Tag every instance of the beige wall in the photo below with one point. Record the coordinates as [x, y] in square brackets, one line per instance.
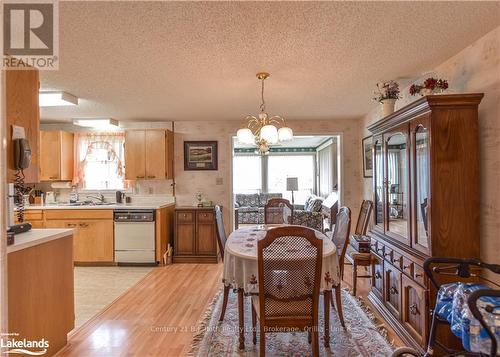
[474, 69]
[188, 183]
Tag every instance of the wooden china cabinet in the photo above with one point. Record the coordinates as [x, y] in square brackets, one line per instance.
[426, 194]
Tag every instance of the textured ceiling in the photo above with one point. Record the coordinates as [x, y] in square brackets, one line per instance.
[197, 60]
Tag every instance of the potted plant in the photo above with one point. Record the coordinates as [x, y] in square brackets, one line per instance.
[387, 93]
[430, 86]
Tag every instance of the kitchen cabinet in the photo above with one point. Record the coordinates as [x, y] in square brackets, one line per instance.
[21, 109]
[40, 291]
[35, 217]
[164, 231]
[195, 238]
[93, 240]
[56, 155]
[148, 154]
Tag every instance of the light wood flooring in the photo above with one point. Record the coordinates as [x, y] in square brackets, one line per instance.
[158, 315]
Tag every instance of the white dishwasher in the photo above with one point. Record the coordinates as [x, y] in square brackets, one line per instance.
[134, 237]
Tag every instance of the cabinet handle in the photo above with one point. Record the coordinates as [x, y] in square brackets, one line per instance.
[414, 309]
[151, 177]
[393, 290]
[387, 254]
[377, 275]
[418, 275]
[53, 177]
[139, 177]
[70, 225]
[405, 267]
[400, 259]
[84, 225]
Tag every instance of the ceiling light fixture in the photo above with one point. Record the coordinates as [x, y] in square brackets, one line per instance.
[103, 124]
[263, 130]
[56, 99]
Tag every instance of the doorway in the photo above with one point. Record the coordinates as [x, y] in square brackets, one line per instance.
[295, 170]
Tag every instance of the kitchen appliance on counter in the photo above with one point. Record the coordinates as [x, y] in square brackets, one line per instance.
[135, 236]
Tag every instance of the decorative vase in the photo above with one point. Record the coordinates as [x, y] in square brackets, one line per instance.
[388, 106]
[425, 91]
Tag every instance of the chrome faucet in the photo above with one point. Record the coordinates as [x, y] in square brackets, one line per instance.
[99, 197]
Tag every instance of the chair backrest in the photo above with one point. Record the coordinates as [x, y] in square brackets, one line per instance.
[341, 232]
[329, 208]
[278, 211]
[289, 265]
[221, 232]
[364, 217]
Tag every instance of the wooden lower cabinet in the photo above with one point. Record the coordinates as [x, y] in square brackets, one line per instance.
[378, 276]
[41, 293]
[392, 292]
[195, 238]
[414, 314]
[34, 217]
[93, 232]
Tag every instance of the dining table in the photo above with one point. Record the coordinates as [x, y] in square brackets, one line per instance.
[241, 270]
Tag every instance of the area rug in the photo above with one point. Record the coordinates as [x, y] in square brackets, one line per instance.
[362, 336]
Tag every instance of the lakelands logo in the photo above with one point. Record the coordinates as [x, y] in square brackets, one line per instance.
[11, 345]
[30, 34]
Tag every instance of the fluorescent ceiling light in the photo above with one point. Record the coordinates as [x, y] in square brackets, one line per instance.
[56, 99]
[107, 123]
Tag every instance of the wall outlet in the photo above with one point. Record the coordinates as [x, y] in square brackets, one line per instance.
[219, 181]
[151, 190]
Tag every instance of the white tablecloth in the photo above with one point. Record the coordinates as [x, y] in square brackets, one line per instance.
[240, 259]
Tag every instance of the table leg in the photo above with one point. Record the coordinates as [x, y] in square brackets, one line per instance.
[241, 319]
[327, 297]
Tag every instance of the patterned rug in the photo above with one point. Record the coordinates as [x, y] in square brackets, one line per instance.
[362, 336]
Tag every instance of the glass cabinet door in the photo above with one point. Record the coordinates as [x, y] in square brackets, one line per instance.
[397, 174]
[378, 179]
[421, 156]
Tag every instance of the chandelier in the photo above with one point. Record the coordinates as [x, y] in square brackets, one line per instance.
[264, 130]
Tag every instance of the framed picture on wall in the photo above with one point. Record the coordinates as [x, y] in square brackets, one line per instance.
[367, 157]
[200, 155]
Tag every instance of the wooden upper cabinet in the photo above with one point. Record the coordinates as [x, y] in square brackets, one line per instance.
[135, 154]
[56, 156]
[21, 109]
[155, 154]
[148, 154]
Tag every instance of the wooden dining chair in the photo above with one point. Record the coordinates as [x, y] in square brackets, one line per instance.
[353, 257]
[278, 211]
[340, 238]
[221, 241]
[289, 269]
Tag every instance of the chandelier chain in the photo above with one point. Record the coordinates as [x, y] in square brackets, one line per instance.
[263, 104]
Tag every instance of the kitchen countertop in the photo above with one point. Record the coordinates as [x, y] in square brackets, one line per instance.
[138, 205]
[36, 237]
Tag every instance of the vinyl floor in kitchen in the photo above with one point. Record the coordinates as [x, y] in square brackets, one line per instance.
[97, 287]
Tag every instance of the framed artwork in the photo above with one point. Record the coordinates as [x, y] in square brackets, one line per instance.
[367, 144]
[200, 155]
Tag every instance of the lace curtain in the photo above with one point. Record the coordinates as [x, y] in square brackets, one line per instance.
[99, 160]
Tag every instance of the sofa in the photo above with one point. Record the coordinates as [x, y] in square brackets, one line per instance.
[249, 208]
[310, 214]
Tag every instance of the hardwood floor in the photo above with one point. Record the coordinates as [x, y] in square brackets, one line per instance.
[157, 316]
[153, 318]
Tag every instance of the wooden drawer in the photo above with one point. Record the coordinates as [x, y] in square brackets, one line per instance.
[78, 214]
[388, 253]
[407, 267]
[185, 217]
[419, 274]
[392, 291]
[205, 216]
[397, 260]
[414, 314]
[378, 276]
[34, 215]
[380, 249]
